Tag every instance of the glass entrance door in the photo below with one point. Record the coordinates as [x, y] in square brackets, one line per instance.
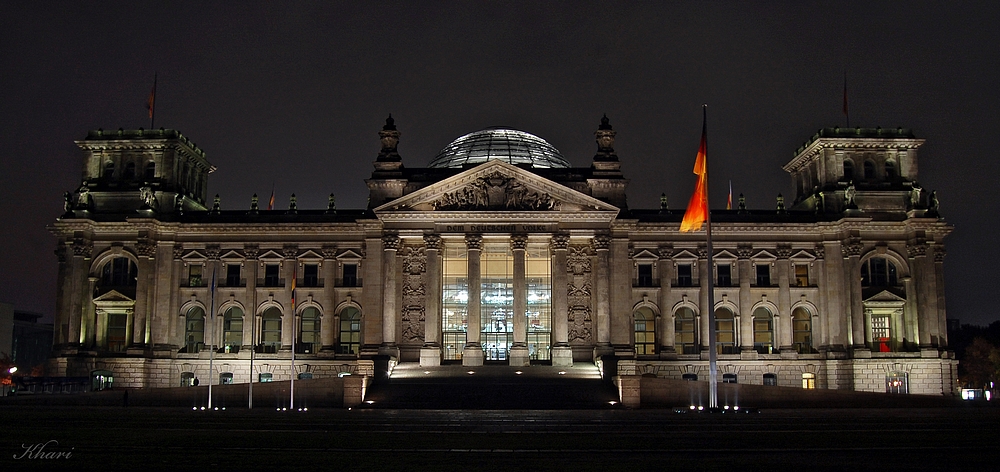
[498, 335]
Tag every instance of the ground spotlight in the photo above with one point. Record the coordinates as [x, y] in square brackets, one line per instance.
[472, 372]
[612, 403]
[693, 407]
[562, 372]
[725, 407]
[700, 408]
[518, 372]
[194, 408]
[202, 408]
[369, 402]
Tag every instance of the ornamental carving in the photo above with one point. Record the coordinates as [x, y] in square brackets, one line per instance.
[601, 242]
[744, 251]
[414, 260]
[390, 242]
[583, 290]
[178, 251]
[580, 329]
[820, 251]
[560, 241]
[783, 251]
[474, 241]
[290, 251]
[916, 250]
[145, 248]
[578, 260]
[251, 251]
[413, 323]
[212, 252]
[329, 251]
[495, 191]
[939, 254]
[518, 241]
[852, 247]
[82, 248]
[665, 252]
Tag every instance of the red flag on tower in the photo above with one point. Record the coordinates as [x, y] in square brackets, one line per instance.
[697, 209]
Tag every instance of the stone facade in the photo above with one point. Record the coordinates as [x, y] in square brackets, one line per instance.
[843, 289]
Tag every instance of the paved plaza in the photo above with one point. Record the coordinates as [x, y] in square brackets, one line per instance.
[118, 438]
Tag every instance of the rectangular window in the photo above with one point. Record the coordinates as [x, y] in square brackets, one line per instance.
[271, 278]
[763, 275]
[310, 275]
[725, 275]
[802, 275]
[645, 278]
[117, 331]
[350, 275]
[684, 275]
[881, 335]
[194, 275]
[233, 275]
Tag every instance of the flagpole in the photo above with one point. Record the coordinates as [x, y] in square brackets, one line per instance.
[713, 374]
[152, 103]
[847, 112]
[291, 402]
[211, 346]
[253, 348]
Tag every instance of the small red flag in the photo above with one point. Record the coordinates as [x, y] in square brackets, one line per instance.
[697, 210]
[152, 99]
[270, 203]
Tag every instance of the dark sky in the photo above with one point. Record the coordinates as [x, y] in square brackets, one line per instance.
[293, 96]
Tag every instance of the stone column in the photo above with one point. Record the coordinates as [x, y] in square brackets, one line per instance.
[601, 244]
[704, 272]
[665, 269]
[852, 273]
[472, 355]
[562, 353]
[288, 319]
[783, 320]
[519, 350]
[430, 352]
[251, 252]
[745, 273]
[61, 322]
[143, 289]
[329, 324]
[942, 315]
[837, 305]
[925, 294]
[390, 313]
[88, 326]
[82, 299]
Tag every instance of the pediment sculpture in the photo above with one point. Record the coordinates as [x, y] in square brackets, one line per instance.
[496, 191]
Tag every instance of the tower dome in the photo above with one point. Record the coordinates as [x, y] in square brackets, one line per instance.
[509, 145]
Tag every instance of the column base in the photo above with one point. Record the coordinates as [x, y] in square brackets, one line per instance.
[430, 356]
[562, 356]
[472, 355]
[390, 350]
[603, 349]
[519, 356]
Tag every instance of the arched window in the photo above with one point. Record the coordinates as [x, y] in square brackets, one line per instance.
[109, 170]
[690, 377]
[878, 272]
[150, 170]
[309, 342]
[350, 331]
[729, 378]
[685, 341]
[232, 329]
[802, 331]
[119, 273]
[194, 330]
[725, 332]
[187, 379]
[645, 331]
[890, 170]
[848, 170]
[226, 378]
[270, 330]
[770, 379]
[763, 331]
[897, 382]
[129, 172]
[869, 170]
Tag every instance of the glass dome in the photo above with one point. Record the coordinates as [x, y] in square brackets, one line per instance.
[510, 145]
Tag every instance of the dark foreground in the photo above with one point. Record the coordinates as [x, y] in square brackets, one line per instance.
[148, 439]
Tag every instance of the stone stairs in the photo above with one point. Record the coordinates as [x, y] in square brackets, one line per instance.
[490, 387]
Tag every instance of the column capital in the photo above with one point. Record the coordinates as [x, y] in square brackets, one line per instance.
[601, 242]
[783, 251]
[146, 248]
[290, 251]
[474, 241]
[390, 242]
[852, 248]
[82, 248]
[433, 241]
[518, 241]
[251, 251]
[560, 241]
[665, 252]
[329, 251]
[916, 250]
[212, 252]
[744, 251]
[820, 251]
[178, 251]
[939, 253]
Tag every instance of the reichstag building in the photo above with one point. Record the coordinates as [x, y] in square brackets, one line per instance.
[498, 251]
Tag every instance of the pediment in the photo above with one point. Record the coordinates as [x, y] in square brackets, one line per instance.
[113, 297]
[725, 254]
[310, 254]
[685, 254]
[646, 254]
[496, 186]
[764, 254]
[271, 254]
[231, 255]
[349, 254]
[803, 256]
[194, 255]
[885, 297]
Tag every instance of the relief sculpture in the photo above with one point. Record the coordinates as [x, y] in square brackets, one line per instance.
[495, 191]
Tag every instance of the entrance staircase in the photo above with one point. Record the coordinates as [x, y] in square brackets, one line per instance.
[492, 387]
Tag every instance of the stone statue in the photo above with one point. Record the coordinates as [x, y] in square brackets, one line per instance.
[849, 195]
[83, 197]
[148, 197]
[934, 204]
[67, 202]
[915, 195]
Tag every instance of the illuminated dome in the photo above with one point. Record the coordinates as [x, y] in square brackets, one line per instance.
[509, 145]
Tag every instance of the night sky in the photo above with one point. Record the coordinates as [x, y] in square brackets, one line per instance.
[293, 97]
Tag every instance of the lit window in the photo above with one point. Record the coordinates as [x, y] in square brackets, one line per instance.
[187, 379]
[270, 330]
[878, 272]
[684, 331]
[802, 331]
[232, 330]
[897, 382]
[194, 330]
[194, 275]
[725, 332]
[309, 341]
[265, 377]
[809, 381]
[802, 275]
[350, 331]
[881, 334]
[226, 378]
[645, 331]
[117, 333]
[763, 331]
